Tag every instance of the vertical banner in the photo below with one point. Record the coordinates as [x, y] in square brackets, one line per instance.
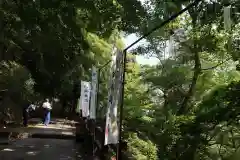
[93, 93]
[228, 24]
[114, 95]
[227, 18]
[171, 47]
[85, 98]
[109, 104]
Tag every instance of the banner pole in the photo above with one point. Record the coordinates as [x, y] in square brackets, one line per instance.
[119, 146]
[97, 96]
[97, 106]
[93, 130]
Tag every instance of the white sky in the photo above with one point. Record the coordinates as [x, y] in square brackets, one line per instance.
[140, 59]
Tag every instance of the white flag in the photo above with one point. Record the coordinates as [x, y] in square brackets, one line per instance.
[227, 18]
[85, 98]
[108, 135]
[171, 47]
[93, 93]
[114, 94]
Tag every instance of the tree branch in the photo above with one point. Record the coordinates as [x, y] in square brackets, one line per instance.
[213, 67]
[197, 68]
[197, 71]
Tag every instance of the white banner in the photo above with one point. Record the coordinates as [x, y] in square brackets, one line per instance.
[85, 97]
[93, 93]
[227, 18]
[114, 94]
[171, 47]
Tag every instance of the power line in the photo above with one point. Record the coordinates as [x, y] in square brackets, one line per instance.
[164, 23]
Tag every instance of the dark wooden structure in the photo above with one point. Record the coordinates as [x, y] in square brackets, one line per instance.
[91, 135]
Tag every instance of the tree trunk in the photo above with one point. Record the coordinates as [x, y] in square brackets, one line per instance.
[197, 68]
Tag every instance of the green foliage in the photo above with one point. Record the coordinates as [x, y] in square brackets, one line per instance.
[16, 82]
[140, 149]
[186, 107]
[200, 77]
[62, 31]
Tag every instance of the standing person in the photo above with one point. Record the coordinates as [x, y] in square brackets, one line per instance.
[47, 107]
[32, 107]
[25, 115]
[26, 109]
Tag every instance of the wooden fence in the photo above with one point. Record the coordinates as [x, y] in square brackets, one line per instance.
[91, 135]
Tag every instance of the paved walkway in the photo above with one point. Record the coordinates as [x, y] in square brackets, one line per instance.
[28, 148]
[57, 127]
[41, 149]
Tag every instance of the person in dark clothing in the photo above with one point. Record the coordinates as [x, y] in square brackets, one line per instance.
[26, 110]
[25, 115]
[3, 119]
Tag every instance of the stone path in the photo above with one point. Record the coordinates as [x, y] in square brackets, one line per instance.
[58, 127]
[41, 149]
[29, 148]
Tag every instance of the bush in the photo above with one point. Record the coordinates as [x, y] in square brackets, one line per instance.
[141, 149]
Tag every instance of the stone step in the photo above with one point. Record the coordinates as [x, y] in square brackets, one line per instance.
[5, 136]
[4, 141]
